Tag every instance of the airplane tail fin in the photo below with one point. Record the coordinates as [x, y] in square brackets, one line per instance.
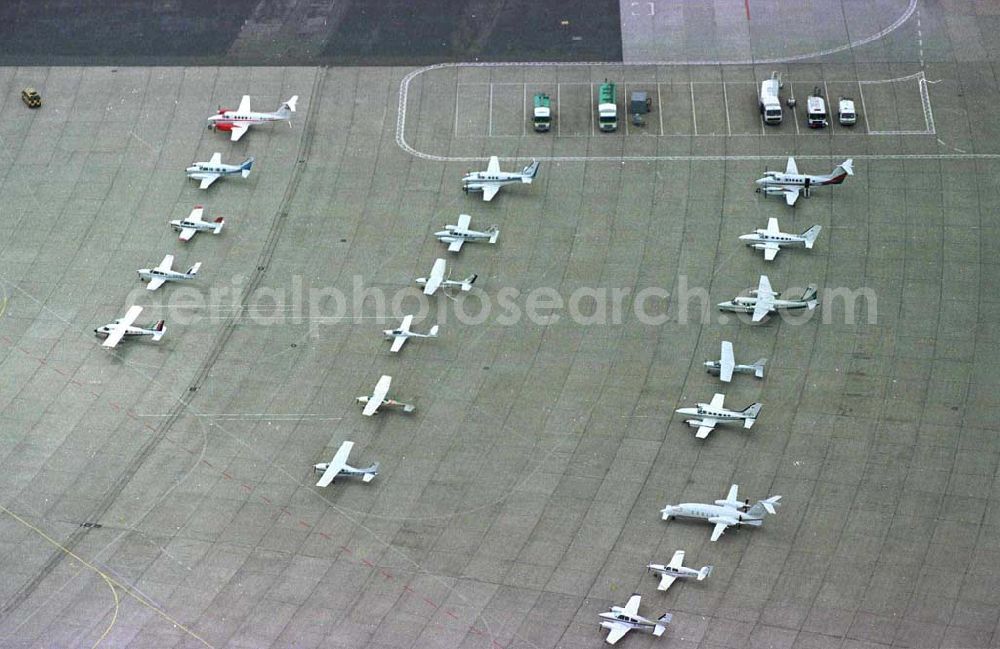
[247, 166]
[766, 506]
[810, 296]
[704, 572]
[811, 234]
[758, 368]
[494, 233]
[750, 413]
[468, 282]
[433, 332]
[841, 171]
[194, 269]
[286, 109]
[661, 624]
[370, 473]
[159, 329]
[219, 222]
[530, 172]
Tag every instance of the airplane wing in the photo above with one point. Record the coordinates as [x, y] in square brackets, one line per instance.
[705, 427]
[196, 214]
[397, 343]
[463, 221]
[771, 251]
[378, 395]
[666, 581]
[155, 283]
[772, 226]
[631, 607]
[336, 464]
[455, 245]
[727, 363]
[791, 168]
[186, 234]
[617, 632]
[490, 190]
[207, 181]
[717, 401]
[244, 105]
[216, 159]
[167, 263]
[765, 299]
[734, 493]
[677, 561]
[437, 276]
[494, 166]
[719, 529]
[118, 330]
[791, 195]
[407, 321]
[237, 131]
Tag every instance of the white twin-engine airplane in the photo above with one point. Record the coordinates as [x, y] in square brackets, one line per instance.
[490, 181]
[713, 413]
[792, 183]
[771, 239]
[239, 121]
[163, 273]
[436, 280]
[675, 570]
[193, 224]
[209, 172]
[456, 235]
[622, 619]
[724, 513]
[763, 301]
[378, 400]
[726, 365]
[338, 467]
[402, 332]
[122, 327]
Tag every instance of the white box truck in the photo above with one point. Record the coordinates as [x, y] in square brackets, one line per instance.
[770, 100]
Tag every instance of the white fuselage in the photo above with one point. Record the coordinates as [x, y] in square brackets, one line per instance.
[166, 275]
[782, 239]
[348, 470]
[478, 179]
[715, 367]
[711, 513]
[200, 226]
[747, 304]
[249, 118]
[705, 410]
[683, 572]
[404, 333]
[617, 616]
[449, 235]
[130, 331]
[202, 170]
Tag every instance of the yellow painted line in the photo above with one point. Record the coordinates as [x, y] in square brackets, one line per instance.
[112, 583]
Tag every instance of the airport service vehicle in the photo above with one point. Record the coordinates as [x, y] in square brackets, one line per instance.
[846, 113]
[542, 117]
[770, 100]
[816, 109]
[607, 107]
[31, 98]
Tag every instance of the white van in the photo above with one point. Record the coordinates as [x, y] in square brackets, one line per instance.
[770, 101]
[846, 113]
[816, 110]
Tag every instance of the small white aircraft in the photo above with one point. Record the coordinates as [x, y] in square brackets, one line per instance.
[675, 570]
[713, 413]
[436, 280]
[490, 181]
[122, 327]
[338, 467]
[724, 513]
[726, 365]
[402, 332]
[771, 239]
[792, 183]
[622, 619]
[763, 301]
[193, 224]
[239, 121]
[209, 172]
[378, 400]
[456, 235]
[163, 273]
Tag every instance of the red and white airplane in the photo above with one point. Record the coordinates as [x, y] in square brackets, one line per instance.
[239, 121]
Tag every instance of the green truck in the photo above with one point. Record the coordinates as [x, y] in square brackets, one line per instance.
[542, 118]
[607, 107]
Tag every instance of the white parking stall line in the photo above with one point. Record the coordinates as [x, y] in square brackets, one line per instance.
[592, 133]
[490, 130]
[659, 106]
[625, 104]
[458, 91]
[524, 110]
[725, 99]
[558, 112]
[694, 112]
[864, 108]
[829, 106]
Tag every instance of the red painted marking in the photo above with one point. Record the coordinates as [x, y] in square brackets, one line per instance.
[266, 499]
[746, 4]
[303, 523]
[451, 615]
[475, 630]
[346, 549]
[429, 602]
[326, 536]
[226, 476]
[368, 563]
[386, 575]
[247, 487]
